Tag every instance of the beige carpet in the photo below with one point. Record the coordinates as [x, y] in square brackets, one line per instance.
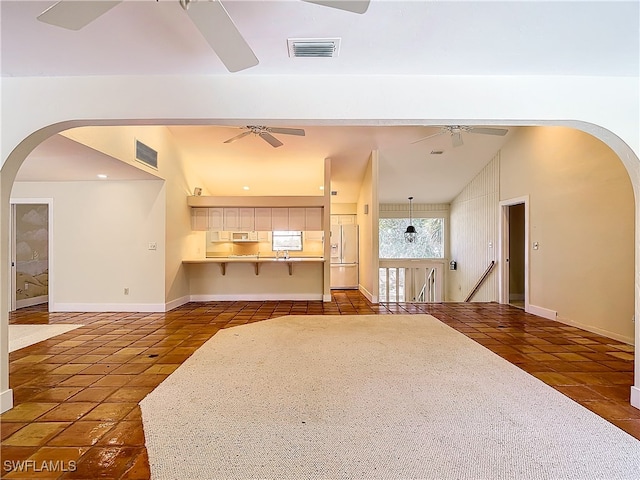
[21, 336]
[368, 397]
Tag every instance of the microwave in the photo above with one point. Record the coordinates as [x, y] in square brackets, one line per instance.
[244, 236]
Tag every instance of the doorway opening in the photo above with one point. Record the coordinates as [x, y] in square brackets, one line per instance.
[30, 252]
[514, 278]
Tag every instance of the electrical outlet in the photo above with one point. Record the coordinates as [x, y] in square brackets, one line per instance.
[126, 290]
[153, 245]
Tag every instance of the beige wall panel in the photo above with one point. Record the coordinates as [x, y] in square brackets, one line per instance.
[474, 236]
[582, 215]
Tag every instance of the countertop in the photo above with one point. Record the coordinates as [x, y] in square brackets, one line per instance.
[249, 259]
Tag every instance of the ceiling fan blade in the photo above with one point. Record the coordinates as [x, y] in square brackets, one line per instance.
[238, 137]
[425, 138]
[287, 131]
[355, 6]
[488, 130]
[218, 29]
[456, 138]
[267, 137]
[75, 15]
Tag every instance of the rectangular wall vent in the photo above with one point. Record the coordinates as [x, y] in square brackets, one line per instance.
[146, 154]
[313, 47]
[437, 152]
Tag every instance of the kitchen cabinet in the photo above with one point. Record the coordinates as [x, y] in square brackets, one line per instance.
[296, 219]
[247, 219]
[199, 219]
[231, 219]
[216, 219]
[280, 219]
[343, 220]
[262, 219]
[313, 218]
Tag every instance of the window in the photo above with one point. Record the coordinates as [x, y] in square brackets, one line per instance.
[429, 241]
[286, 240]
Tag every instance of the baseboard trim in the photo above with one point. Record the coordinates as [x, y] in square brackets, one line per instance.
[635, 397]
[326, 298]
[372, 298]
[6, 400]
[542, 312]
[108, 307]
[256, 297]
[178, 302]
[30, 302]
[599, 331]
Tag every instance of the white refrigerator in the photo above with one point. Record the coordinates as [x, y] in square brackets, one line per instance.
[344, 256]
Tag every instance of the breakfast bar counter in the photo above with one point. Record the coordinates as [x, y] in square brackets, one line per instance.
[257, 261]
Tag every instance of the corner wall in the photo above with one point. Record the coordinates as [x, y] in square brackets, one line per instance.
[581, 213]
[368, 231]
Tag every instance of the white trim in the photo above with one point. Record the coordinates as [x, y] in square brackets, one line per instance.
[256, 297]
[599, 331]
[503, 277]
[542, 312]
[372, 298]
[6, 400]
[635, 396]
[107, 307]
[326, 298]
[178, 302]
[29, 302]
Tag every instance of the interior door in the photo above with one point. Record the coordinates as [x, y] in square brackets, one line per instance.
[516, 252]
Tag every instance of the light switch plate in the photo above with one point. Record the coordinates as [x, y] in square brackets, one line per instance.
[153, 245]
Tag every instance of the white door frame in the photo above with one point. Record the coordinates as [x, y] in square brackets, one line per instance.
[12, 245]
[503, 278]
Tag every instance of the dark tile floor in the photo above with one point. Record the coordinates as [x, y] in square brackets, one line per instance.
[76, 395]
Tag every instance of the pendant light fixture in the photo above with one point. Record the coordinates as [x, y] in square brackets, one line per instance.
[410, 234]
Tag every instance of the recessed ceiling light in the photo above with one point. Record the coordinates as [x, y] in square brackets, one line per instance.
[245, 188]
[102, 176]
[321, 187]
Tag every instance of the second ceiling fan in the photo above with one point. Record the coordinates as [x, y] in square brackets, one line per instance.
[456, 132]
[209, 16]
[265, 134]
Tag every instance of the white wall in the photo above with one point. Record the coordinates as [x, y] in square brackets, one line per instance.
[581, 213]
[178, 242]
[101, 233]
[474, 236]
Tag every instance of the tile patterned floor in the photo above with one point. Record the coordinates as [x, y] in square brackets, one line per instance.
[76, 396]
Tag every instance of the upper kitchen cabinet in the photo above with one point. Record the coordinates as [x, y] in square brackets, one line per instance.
[263, 219]
[231, 219]
[199, 219]
[296, 219]
[313, 218]
[343, 220]
[280, 218]
[216, 218]
[247, 219]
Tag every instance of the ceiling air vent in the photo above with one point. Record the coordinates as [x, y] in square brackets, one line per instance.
[437, 152]
[313, 47]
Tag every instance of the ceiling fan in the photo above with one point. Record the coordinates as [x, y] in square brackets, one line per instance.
[209, 16]
[265, 134]
[456, 133]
